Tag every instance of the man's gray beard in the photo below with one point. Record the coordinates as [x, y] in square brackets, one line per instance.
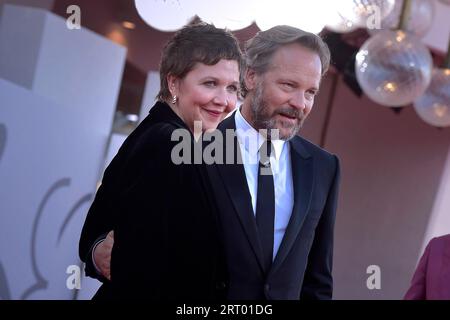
[262, 120]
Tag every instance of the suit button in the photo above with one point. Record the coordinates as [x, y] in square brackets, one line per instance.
[267, 287]
[221, 285]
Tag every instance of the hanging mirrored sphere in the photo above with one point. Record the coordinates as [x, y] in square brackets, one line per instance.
[419, 21]
[341, 25]
[393, 68]
[433, 106]
[335, 21]
[358, 12]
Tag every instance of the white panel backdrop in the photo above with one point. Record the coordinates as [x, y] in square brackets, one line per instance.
[54, 129]
[152, 87]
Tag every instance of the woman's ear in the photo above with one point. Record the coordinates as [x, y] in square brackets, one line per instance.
[250, 79]
[173, 83]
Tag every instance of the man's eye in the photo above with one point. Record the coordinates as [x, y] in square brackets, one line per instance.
[310, 94]
[209, 83]
[288, 85]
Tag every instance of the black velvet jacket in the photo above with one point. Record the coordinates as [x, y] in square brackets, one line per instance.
[167, 244]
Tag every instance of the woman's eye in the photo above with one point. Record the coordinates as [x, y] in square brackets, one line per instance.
[233, 88]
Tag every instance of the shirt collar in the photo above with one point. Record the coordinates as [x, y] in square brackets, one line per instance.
[247, 134]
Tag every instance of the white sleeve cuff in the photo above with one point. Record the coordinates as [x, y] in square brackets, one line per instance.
[92, 256]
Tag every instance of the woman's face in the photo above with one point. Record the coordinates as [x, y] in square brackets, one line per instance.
[206, 93]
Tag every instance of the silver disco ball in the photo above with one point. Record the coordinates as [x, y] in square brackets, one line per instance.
[419, 21]
[358, 12]
[433, 106]
[393, 68]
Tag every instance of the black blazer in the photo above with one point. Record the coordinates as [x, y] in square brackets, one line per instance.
[302, 266]
[166, 242]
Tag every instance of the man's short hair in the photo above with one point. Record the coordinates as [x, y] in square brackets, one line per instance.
[260, 49]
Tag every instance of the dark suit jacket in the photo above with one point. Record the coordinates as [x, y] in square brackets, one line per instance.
[302, 266]
[166, 242]
[431, 281]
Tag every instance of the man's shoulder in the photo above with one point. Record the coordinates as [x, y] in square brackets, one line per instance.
[313, 149]
[325, 162]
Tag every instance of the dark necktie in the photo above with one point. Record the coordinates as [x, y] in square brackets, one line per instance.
[265, 203]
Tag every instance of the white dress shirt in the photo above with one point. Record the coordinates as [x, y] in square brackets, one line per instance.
[280, 160]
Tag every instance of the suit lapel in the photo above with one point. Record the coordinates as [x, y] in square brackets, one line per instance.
[235, 181]
[303, 181]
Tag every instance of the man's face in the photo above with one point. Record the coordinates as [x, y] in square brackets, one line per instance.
[283, 96]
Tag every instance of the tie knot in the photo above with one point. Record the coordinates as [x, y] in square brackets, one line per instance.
[264, 153]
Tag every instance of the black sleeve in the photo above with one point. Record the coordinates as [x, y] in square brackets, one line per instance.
[318, 281]
[140, 252]
[124, 171]
[99, 220]
[89, 268]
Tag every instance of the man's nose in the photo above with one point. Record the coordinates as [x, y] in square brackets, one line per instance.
[298, 101]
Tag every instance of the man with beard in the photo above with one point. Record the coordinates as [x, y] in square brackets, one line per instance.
[277, 200]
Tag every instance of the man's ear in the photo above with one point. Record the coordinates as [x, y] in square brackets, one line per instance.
[250, 79]
[173, 84]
